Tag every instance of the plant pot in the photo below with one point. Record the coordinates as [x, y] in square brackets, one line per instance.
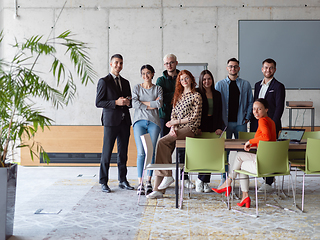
[8, 181]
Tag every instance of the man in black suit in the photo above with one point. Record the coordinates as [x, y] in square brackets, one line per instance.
[114, 96]
[274, 92]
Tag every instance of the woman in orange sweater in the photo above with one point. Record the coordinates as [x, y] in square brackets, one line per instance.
[247, 161]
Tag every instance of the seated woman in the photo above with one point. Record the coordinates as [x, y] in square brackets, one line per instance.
[146, 99]
[211, 118]
[247, 161]
[185, 121]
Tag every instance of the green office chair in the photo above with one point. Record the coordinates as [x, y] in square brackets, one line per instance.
[297, 158]
[272, 160]
[246, 135]
[204, 155]
[312, 163]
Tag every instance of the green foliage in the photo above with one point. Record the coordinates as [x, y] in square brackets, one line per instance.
[20, 84]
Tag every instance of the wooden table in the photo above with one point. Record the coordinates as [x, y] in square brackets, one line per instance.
[230, 145]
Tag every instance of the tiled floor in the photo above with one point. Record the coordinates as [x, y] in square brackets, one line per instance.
[75, 208]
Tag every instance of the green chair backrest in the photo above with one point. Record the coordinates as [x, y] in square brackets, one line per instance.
[246, 135]
[313, 156]
[300, 155]
[205, 155]
[314, 135]
[272, 158]
[210, 135]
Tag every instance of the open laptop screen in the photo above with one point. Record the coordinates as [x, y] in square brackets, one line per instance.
[294, 135]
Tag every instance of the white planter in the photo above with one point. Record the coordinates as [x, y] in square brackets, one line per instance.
[8, 181]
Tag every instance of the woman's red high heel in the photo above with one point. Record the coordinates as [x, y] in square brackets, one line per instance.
[222, 190]
[246, 201]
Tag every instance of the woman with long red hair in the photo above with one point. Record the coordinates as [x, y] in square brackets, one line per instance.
[185, 121]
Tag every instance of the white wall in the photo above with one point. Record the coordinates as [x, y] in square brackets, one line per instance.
[144, 31]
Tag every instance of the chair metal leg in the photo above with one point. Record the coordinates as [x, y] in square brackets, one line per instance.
[182, 190]
[293, 192]
[302, 200]
[256, 190]
[228, 195]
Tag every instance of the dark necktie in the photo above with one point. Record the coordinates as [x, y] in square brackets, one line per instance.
[117, 83]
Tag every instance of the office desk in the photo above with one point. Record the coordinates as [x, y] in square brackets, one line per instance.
[231, 145]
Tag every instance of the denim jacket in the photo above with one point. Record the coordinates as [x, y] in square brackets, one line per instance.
[245, 99]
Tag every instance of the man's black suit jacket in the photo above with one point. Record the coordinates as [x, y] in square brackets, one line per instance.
[107, 94]
[275, 96]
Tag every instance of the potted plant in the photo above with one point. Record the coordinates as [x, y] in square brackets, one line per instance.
[22, 82]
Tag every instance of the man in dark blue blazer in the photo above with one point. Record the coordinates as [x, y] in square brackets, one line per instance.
[114, 96]
[274, 92]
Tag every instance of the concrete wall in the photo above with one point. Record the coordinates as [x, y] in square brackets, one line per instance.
[144, 31]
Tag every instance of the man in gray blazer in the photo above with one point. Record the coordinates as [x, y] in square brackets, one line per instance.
[114, 97]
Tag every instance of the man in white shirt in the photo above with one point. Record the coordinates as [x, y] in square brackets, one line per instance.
[274, 92]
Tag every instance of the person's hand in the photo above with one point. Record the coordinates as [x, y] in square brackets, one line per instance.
[121, 101]
[218, 132]
[168, 124]
[199, 132]
[157, 98]
[172, 132]
[172, 123]
[247, 146]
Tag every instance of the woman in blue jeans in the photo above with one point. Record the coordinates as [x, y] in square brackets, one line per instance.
[146, 100]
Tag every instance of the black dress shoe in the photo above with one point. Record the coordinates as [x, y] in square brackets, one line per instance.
[125, 185]
[105, 188]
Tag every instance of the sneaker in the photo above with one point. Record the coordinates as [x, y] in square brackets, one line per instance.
[206, 188]
[148, 187]
[199, 185]
[266, 187]
[141, 187]
[155, 194]
[188, 184]
[166, 182]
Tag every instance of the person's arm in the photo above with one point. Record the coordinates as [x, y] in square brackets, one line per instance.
[136, 103]
[249, 101]
[101, 97]
[280, 95]
[263, 132]
[157, 103]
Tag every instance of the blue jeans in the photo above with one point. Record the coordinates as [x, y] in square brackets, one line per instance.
[234, 129]
[139, 128]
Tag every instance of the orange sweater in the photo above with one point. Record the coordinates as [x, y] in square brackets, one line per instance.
[266, 131]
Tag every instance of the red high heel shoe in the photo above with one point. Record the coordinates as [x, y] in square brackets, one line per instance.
[222, 190]
[246, 201]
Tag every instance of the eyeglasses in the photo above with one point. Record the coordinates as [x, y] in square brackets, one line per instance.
[184, 79]
[169, 63]
[235, 66]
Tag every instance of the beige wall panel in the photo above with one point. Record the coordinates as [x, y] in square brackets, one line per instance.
[74, 139]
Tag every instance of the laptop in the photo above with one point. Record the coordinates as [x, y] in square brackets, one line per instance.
[294, 135]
